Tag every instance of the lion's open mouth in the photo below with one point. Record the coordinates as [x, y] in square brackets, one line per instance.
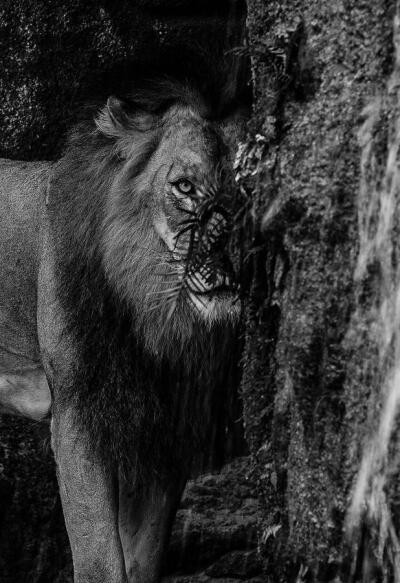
[214, 297]
[219, 290]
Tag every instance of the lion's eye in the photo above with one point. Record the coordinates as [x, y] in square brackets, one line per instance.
[184, 186]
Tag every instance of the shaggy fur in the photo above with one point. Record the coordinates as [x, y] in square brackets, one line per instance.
[145, 378]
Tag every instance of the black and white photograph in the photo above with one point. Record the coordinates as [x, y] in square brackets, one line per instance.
[199, 291]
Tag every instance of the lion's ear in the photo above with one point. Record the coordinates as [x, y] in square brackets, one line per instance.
[113, 121]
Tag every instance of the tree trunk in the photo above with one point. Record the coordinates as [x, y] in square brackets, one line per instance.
[320, 365]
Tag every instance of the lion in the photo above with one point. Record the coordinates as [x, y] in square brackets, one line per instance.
[118, 312]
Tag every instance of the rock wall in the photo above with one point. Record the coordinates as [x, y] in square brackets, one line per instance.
[214, 537]
[323, 143]
[52, 54]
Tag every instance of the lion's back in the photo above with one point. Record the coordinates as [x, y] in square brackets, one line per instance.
[22, 196]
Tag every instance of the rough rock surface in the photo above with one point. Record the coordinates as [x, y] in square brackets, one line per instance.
[33, 540]
[52, 53]
[312, 371]
[215, 531]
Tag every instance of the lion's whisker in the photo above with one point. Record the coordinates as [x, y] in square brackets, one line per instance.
[164, 291]
[165, 275]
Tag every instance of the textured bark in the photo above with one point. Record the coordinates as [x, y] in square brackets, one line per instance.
[312, 380]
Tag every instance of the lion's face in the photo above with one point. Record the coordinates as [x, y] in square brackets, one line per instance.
[188, 169]
[173, 175]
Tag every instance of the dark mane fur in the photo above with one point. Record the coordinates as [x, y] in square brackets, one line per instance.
[137, 409]
[178, 74]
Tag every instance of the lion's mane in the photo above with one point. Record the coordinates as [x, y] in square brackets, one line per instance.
[137, 394]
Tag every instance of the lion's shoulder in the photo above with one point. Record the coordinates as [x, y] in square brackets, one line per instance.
[22, 193]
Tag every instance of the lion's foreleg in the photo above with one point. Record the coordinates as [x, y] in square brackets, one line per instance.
[145, 521]
[89, 502]
[89, 494]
